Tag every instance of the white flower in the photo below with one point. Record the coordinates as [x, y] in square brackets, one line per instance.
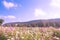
[8, 39]
[56, 38]
[12, 39]
[28, 31]
[17, 32]
[22, 37]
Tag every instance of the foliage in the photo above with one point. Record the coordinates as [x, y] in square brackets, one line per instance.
[2, 36]
[29, 33]
[1, 21]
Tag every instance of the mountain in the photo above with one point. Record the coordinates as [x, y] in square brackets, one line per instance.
[35, 23]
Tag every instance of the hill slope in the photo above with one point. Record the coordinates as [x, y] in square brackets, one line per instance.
[33, 23]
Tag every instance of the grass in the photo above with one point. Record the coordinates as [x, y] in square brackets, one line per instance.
[29, 33]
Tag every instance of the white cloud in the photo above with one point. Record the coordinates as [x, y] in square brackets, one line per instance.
[39, 12]
[11, 17]
[55, 15]
[8, 17]
[55, 3]
[9, 4]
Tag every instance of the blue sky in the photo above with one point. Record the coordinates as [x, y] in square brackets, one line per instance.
[26, 10]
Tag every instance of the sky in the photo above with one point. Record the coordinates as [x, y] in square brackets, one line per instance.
[26, 10]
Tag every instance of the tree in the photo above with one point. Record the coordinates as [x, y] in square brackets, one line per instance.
[1, 21]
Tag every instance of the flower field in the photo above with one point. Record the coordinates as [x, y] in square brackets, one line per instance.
[29, 33]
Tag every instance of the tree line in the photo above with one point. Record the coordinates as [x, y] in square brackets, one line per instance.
[40, 24]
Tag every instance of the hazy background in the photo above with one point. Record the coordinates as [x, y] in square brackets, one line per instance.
[26, 10]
